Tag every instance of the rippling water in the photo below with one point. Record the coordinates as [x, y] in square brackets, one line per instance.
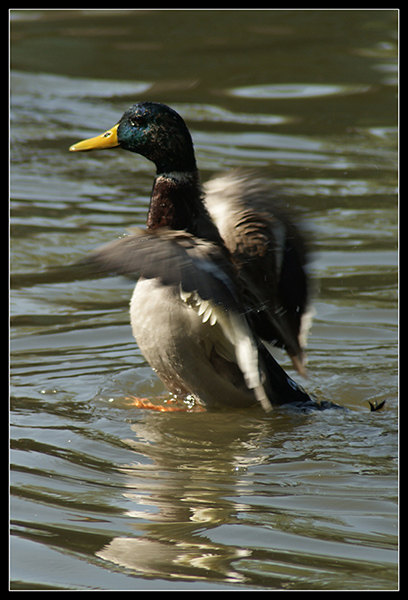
[105, 496]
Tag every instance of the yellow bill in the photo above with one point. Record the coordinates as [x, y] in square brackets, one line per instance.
[109, 139]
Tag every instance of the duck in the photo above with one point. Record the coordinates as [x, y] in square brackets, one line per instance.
[221, 272]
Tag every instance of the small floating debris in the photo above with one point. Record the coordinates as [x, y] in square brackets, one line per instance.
[374, 406]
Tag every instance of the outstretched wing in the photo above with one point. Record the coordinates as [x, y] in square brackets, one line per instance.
[174, 257]
[270, 255]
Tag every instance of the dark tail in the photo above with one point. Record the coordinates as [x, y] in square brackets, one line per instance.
[281, 389]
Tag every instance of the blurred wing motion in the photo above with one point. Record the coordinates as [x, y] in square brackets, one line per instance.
[269, 253]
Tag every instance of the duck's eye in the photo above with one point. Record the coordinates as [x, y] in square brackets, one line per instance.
[136, 121]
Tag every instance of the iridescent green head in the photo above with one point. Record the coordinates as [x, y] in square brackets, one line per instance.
[153, 130]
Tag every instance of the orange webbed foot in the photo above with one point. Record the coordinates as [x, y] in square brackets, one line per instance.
[168, 405]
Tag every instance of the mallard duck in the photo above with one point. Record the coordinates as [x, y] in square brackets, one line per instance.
[222, 272]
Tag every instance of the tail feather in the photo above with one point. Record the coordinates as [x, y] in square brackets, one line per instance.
[280, 388]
